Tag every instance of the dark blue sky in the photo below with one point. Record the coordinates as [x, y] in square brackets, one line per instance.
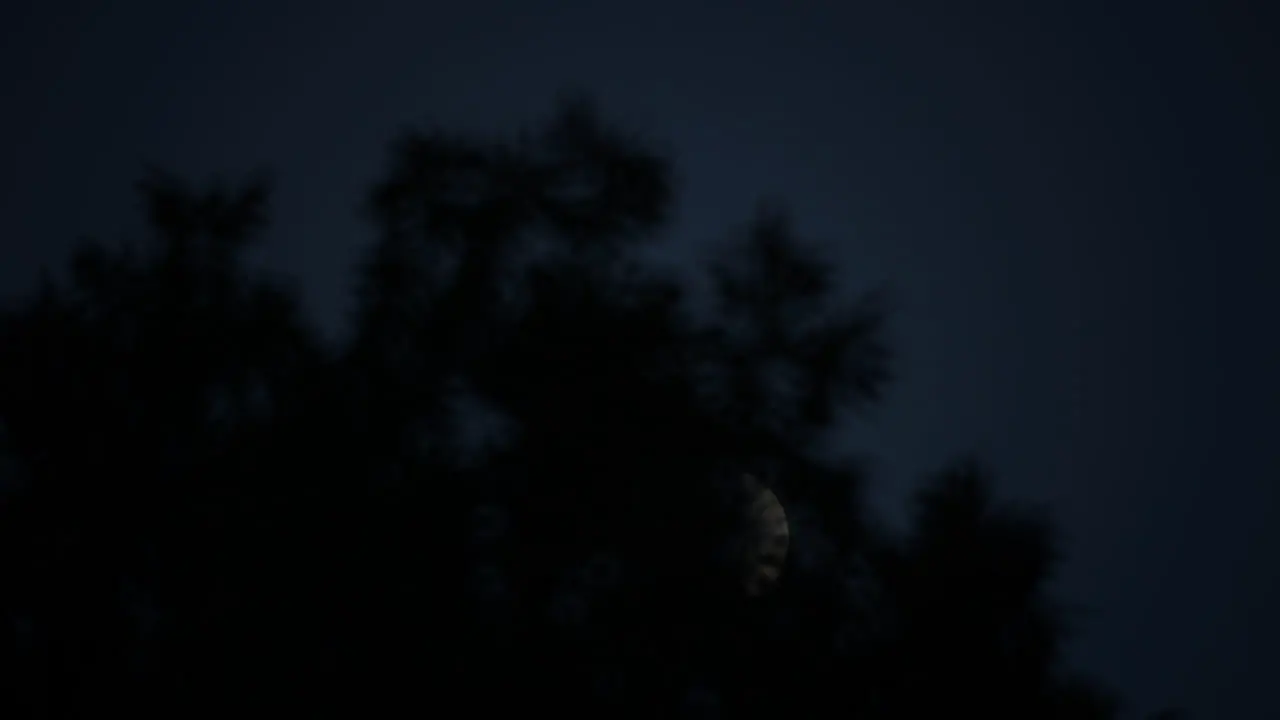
[1074, 206]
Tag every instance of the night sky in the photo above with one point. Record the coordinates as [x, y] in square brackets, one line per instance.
[1075, 210]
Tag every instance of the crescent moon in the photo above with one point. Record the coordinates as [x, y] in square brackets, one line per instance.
[768, 537]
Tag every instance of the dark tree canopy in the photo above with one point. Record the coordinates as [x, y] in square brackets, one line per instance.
[515, 487]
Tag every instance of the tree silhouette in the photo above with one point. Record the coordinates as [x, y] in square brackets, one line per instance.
[518, 482]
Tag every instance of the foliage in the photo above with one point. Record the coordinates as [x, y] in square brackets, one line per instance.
[514, 484]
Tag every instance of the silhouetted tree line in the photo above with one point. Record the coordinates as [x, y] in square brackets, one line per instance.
[511, 488]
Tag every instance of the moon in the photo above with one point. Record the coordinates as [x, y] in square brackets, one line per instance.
[767, 537]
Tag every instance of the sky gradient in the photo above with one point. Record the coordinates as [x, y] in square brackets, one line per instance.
[1072, 205]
